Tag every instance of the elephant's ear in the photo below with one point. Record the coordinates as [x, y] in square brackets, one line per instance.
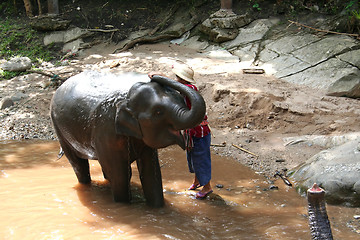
[125, 122]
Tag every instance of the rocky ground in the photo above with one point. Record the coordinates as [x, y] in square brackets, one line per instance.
[253, 116]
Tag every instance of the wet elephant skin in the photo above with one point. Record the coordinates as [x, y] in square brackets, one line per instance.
[117, 119]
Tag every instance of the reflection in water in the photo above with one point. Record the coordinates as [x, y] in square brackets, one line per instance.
[41, 199]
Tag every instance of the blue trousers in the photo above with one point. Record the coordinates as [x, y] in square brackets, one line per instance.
[199, 159]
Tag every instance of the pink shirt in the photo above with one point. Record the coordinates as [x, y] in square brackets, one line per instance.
[202, 129]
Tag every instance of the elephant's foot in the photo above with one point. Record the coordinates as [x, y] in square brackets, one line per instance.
[84, 180]
[82, 171]
[121, 197]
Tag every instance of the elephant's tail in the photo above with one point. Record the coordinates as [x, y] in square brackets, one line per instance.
[60, 154]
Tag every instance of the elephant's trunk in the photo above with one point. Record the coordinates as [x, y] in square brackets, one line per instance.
[318, 218]
[185, 118]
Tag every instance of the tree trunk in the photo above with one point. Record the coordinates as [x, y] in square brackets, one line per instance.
[53, 6]
[28, 8]
[318, 218]
[39, 5]
[226, 4]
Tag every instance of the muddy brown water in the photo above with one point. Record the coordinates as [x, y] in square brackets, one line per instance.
[41, 199]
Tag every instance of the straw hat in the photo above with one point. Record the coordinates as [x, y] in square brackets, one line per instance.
[184, 71]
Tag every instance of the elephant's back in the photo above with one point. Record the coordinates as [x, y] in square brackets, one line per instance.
[88, 89]
[101, 85]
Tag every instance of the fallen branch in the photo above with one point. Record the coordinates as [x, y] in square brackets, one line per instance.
[253, 71]
[285, 180]
[51, 75]
[166, 19]
[247, 151]
[145, 39]
[219, 145]
[103, 30]
[293, 142]
[325, 31]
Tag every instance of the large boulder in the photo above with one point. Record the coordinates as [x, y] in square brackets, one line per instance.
[337, 170]
[66, 36]
[330, 63]
[347, 86]
[71, 38]
[49, 23]
[253, 32]
[223, 25]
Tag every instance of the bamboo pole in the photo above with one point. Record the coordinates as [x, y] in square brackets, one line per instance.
[244, 150]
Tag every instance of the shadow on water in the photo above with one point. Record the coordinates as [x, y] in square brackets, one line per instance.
[27, 154]
[41, 199]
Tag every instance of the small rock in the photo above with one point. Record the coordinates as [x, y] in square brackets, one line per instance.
[219, 185]
[18, 96]
[273, 187]
[6, 102]
[17, 64]
[357, 216]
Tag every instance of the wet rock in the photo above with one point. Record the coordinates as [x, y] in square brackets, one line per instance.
[337, 170]
[17, 64]
[6, 103]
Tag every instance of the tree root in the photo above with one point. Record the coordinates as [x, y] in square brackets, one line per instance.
[145, 39]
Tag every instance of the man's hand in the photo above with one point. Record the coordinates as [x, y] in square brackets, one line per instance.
[152, 74]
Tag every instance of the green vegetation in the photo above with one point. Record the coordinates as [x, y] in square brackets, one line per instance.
[256, 6]
[356, 14]
[17, 39]
[20, 40]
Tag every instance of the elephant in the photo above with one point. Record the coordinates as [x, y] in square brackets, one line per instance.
[117, 119]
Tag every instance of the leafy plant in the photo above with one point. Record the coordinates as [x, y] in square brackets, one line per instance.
[256, 6]
[356, 14]
[7, 74]
[350, 4]
[18, 39]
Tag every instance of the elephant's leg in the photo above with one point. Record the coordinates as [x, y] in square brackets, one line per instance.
[150, 176]
[120, 181]
[80, 165]
[116, 168]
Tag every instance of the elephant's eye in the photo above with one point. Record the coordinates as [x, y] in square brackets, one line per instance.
[158, 111]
